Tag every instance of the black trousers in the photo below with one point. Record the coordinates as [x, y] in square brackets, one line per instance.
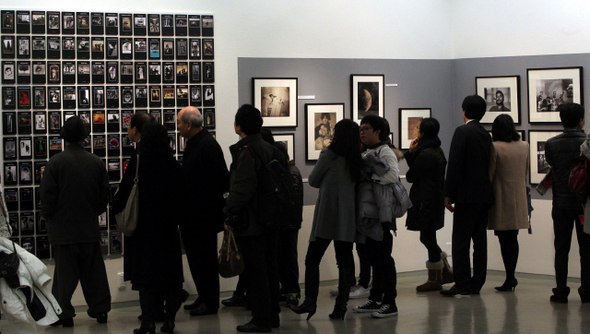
[428, 239]
[384, 272]
[152, 297]
[201, 255]
[470, 222]
[365, 265]
[82, 263]
[288, 265]
[344, 260]
[261, 274]
[564, 222]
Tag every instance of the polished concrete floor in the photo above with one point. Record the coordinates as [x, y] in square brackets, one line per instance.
[527, 310]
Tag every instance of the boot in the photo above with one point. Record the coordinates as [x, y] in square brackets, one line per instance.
[146, 327]
[447, 273]
[435, 272]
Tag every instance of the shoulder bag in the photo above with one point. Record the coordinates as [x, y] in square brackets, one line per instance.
[231, 262]
[127, 219]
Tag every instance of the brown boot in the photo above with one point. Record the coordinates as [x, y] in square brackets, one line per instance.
[434, 282]
[447, 273]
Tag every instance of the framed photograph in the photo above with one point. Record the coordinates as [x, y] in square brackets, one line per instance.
[538, 163]
[368, 95]
[550, 87]
[288, 139]
[409, 124]
[320, 120]
[276, 98]
[501, 95]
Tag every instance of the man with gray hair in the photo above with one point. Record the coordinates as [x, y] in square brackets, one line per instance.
[207, 178]
[75, 191]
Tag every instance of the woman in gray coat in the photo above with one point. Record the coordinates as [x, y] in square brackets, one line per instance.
[509, 164]
[335, 174]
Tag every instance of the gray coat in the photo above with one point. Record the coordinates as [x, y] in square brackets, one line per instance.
[334, 215]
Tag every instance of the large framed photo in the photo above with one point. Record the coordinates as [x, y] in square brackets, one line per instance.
[409, 125]
[320, 121]
[538, 163]
[288, 139]
[502, 95]
[368, 96]
[276, 98]
[550, 87]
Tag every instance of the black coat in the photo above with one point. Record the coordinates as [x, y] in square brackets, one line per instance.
[468, 180]
[427, 175]
[153, 254]
[207, 178]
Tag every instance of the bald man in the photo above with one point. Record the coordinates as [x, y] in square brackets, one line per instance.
[207, 178]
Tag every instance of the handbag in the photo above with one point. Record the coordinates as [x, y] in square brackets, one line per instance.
[127, 219]
[579, 177]
[231, 261]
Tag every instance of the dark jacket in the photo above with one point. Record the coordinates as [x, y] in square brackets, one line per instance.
[298, 183]
[242, 200]
[154, 256]
[207, 178]
[427, 175]
[560, 152]
[75, 191]
[468, 180]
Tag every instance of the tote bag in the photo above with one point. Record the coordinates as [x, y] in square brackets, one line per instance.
[127, 219]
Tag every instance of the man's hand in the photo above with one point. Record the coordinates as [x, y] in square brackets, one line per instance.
[449, 205]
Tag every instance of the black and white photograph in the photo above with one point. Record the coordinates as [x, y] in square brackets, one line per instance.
[39, 72]
[168, 70]
[209, 118]
[194, 25]
[167, 25]
[195, 48]
[25, 172]
[182, 96]
[39, 170]
[113, 121]
[69, 97]
[538, 163]
[39, 122]
[126, 97]
[68, 23]
[208, 50]
[54, 72]
[38, 47]
[181, 48]
[9, 123]
[112, 97]
[25, 147]
[112, 48]
[7, 22]
[126, 48]
[141, 72]
[8, 98]
[168, 48]
[111, 24]
[207, 25]
[83, 72]
[98, 98]
[114, 165]
[195, 75]
[155, 72]
[196, 96]
[8, 72]
[141, 96]
[69, 72]
[83, 23]
[112, 72]
[276, 98]
[39, 95]
[208, 72]
[53, 98]
[8, 47]
[97, 45]
[23, 72]
[153, 24]
[181, 25]
[23, 22]
[83, 97]
[9, 148]
[209, 95]
[97, 23]
[27, 227]
[83, 49]
[126, 25]
[367, 95]
[140, 24]
[24, 47]
[53, 22]
[98, 72]
[126, 72]
[99, 145]
[140, 48]
[68, 47]
[54, 48]
[10, 173]
[54, 121]
[320, 122]
[501, 95]
[551, 87]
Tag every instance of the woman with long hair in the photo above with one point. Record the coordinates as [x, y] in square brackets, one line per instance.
[509, 165]
[427, 174]
[335, 174]
[156, 259]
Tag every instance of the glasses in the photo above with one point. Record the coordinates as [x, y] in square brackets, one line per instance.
[365, 128]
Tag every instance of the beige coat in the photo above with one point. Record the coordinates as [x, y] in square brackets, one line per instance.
[509, 167]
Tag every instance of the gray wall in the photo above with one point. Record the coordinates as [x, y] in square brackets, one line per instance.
[421, 84]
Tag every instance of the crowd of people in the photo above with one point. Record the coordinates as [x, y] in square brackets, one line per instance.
[358, 179]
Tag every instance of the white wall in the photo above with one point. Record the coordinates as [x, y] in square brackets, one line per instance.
[402, 29]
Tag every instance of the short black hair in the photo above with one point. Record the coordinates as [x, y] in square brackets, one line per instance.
[378, 123]
[474, 107]
[74, 130]
[249, 119]
[570, 114]
[140, 119]
[503, 129]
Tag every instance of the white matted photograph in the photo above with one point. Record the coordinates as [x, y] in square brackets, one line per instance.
[548, 88]
[288, 139]
[502, 95]
[276, 98]
[320, 121]
[368, 96]
[409, 124]
[538, 163]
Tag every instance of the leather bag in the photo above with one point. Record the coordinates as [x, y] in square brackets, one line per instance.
[231, 261]
[127, 219]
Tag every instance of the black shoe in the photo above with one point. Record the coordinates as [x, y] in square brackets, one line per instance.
[558, 299]
[305, 307]
[101, 318]
[194, 305]
[252, 328]
[456, 291]
[63, 322]
[234, 301]
[146, 327]
[159, 317]
[202, 309]
[339, 312]
[509, 285]
[560, 295]
[167, 327]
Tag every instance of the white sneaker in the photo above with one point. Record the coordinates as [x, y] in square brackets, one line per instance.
[358, 292]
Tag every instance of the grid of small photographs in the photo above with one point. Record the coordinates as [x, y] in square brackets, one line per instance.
[103, 67]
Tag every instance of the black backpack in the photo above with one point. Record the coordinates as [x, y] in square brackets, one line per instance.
[277, 197]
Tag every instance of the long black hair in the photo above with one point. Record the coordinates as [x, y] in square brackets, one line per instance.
[503, 129]
[154, 140]
[347, 143]
[429, 128]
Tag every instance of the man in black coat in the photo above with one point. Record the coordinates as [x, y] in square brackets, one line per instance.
[468, 187]
[207, 178]
[560, 152]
